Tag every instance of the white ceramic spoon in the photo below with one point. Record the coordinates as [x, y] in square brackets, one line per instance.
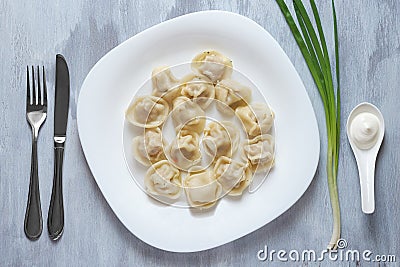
[366, 158]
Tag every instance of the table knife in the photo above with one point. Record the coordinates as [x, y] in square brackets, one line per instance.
[55, 220]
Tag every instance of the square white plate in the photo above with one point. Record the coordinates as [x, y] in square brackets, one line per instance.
[110, 86]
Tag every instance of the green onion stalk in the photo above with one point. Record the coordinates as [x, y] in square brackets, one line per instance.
[313, 47]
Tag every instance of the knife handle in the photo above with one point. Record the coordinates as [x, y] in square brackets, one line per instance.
[55, 220]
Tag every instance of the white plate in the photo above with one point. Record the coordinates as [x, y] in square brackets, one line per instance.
[110, 85]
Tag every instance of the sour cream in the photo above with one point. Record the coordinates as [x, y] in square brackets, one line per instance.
[364, 130]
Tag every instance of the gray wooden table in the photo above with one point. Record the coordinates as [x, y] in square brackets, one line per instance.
[32, 32]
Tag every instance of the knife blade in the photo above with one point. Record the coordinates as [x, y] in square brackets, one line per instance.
[62, 97]
[55, 219]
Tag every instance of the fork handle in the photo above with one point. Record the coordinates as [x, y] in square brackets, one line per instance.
[55, 220]
[33, 215]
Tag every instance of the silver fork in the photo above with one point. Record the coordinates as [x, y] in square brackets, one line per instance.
[36, 113]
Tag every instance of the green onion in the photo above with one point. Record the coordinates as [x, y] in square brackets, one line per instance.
[312, 44]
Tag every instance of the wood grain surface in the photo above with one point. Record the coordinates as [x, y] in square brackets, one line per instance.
[32, 32]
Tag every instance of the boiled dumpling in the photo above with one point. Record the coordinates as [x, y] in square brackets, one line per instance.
[234, 176]
[147, 111]
[188, 115]
[257, 118]
[220, 139]
[184, 151]
[260, 152]
[231, 93]
[163, 179]
[163, 80]
[213, 65]
[199, 89]
[202, 189]
[165, 84]
[149, 148]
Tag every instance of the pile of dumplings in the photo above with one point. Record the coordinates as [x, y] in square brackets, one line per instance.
[176, 167]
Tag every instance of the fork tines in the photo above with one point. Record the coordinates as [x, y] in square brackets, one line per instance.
[37, 99]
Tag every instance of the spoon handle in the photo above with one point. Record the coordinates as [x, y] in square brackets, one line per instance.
[367, 181]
